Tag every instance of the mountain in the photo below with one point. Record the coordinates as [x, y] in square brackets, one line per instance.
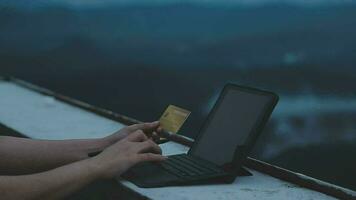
[189, 35]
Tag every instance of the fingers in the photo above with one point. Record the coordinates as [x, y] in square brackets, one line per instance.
[155, 137]
[137, 136]
[144, 126]
[150, 157]
[149, 146]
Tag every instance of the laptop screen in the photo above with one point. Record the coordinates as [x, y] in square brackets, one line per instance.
[235, 115]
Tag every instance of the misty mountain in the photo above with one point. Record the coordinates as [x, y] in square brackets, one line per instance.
[187, 34]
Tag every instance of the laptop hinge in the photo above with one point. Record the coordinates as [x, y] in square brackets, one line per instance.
[237, 168]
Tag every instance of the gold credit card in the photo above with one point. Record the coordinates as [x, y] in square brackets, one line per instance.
[173, 118]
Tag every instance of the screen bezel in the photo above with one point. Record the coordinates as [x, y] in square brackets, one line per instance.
[258, 126]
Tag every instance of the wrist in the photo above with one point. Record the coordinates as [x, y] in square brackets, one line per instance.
[104, 142]
[97, 146]
[112, 139]
[96, 168]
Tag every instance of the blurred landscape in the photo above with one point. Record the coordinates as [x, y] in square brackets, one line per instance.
[136, 59]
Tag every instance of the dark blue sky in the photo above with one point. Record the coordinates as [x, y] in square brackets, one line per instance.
[84, 3]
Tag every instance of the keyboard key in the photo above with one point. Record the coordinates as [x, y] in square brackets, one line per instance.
[173, 170]
[199, 169]
[188, 169]
[183, 165]
[204, 164]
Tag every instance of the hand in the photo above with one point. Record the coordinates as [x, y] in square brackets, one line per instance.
[127, 152]
[150, 129]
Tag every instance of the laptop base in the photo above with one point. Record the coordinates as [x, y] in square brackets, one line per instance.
[150, 175]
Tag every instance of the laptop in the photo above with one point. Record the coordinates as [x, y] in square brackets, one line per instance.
[223, 143]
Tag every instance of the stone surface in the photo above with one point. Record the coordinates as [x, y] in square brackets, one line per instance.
[43, 117]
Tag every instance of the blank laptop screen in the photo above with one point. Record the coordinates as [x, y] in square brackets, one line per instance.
[232, 120]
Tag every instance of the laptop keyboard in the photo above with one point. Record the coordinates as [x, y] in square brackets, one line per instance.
[186, 166]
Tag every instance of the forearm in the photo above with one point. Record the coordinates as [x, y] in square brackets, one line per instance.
[23, 156]
[54, 184]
